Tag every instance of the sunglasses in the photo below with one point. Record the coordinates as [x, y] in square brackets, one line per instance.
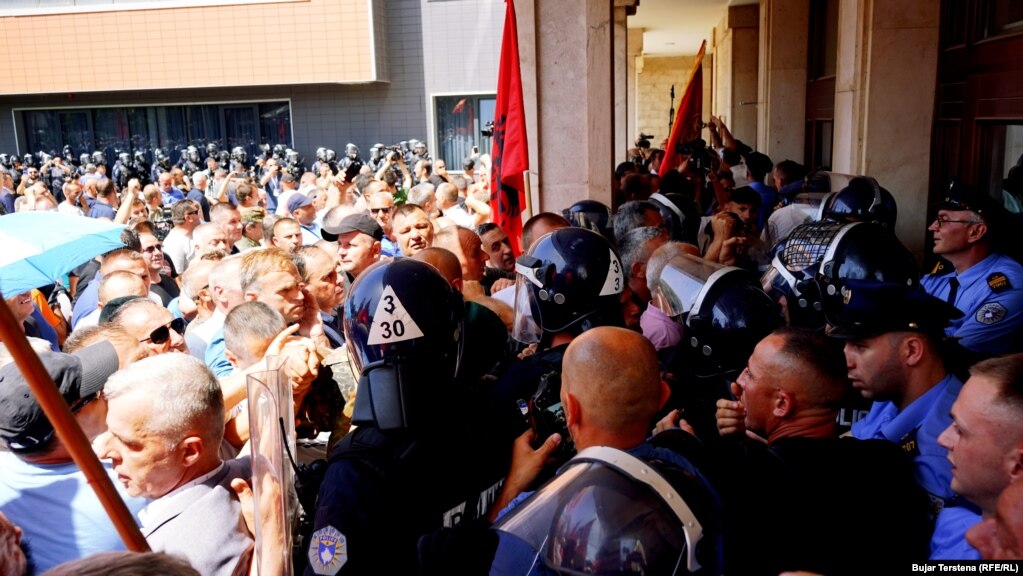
[379, 210]
[153, 248]
[162, 334]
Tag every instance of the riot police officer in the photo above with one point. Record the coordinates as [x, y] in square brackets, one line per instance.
[161, 164]
[351, 163]
[415, 462]
[592, 215]
[189, 162]
[863, 200]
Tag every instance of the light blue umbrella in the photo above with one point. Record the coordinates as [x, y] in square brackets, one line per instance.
[38, 248]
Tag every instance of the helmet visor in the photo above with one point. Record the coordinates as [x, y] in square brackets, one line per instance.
[682, 280]
[526, 328]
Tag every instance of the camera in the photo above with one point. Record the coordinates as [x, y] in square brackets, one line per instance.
[699, 156]
[547, 415]
[488, 129]
[644, 140]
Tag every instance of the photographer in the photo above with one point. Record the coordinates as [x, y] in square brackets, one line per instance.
[730, 237]
[395, 158]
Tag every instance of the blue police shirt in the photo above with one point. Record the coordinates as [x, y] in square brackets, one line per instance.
[991, 299]
[216, 355]
[949, 539]
[916, 429]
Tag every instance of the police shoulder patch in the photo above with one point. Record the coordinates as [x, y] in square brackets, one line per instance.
[328, 551]
[998, 282]
[941, 267]
[990, 313]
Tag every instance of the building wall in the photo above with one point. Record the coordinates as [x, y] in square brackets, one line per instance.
[332, 41]
[328, 115]
[449, 29]
[653, 92]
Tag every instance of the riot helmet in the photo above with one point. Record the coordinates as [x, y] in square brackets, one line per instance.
[329, 155]
[212, 150]
[5, 160]
[29, 160]
[591, 215]
[45, 157]
[239, 154]
[374, 152]
[321, 154]
[278, 151]
[224, 157]
[723, 310]
[124, 158]
[608, 512]
[161, 156]
[98, 158]
[418, 147]
[863, 200]
[192, 154]
[140, 156]
[292, 156]
[570, 281]
[351, 151]
[67, 153]
[404, 324]
[83, 159]
[793, 272]
[863, 251]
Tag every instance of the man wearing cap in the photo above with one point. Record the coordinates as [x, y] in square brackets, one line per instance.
[302, 209]
[891, 333]
[358, 238]
[41, 488]
[975, 277]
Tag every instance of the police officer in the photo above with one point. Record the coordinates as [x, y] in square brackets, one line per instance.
[863, 200]
[189, 162]
[592, 215]
[892, 335]
[415, 462]
[975, 277]
[122, 171]
[161, 164]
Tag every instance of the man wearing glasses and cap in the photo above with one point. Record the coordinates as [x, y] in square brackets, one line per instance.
[975, 277]
[41, 488]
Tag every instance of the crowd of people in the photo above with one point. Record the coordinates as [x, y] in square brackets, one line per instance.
[738, 368]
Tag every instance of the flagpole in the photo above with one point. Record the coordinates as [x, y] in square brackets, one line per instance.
[68, 430]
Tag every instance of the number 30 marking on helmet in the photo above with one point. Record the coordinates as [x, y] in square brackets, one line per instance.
[391, 321]
[392, 329]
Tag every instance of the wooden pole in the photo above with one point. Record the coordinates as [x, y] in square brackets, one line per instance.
[529, 200]
[67, 429]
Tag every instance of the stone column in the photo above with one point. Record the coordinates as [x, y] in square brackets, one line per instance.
[781, 114]
[634, 51]
[569, 54]
[735, 71]
[884, 101]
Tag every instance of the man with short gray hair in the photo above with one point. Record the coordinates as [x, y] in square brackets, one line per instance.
[165, 424]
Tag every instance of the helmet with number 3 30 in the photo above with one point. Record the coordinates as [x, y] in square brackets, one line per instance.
[403, 327]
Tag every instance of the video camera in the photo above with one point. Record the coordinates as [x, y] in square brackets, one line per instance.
[699, 156]
[644, 140]
[488, 129]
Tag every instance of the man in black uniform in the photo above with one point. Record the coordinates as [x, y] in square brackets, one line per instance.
[417, 460]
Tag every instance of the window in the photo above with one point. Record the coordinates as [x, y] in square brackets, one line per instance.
[173, 128]
[1000, 17]
[459, 121]
[823, 52]
[1004, 164]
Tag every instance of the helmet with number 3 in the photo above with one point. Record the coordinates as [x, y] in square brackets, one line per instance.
[570, 281]
[403, 326]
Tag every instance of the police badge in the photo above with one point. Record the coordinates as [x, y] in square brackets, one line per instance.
[328, 551]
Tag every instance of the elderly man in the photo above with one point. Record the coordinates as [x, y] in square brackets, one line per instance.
[381, 206]
[358, 243]
[318, 270]
[985, 447]
[466, 245]
[165, 421]
[41, 488]
[169, 193]
[412, 229]
[977, 279]
[152, 325]
[796, 514]
[303, 209]
[208, 238]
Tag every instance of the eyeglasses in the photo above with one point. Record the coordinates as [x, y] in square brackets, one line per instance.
[162, 334]
[379, 210]
[83, 402]
[941, 221]
[191, 213]
[153, 248]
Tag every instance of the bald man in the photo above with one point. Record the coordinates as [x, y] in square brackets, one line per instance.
[445, 262]
[611, 388]
[466, 245]
[114, 285]
[803, 498]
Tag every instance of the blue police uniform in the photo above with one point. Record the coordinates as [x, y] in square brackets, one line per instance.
[916, 429]
[949, 539]
[990, 296]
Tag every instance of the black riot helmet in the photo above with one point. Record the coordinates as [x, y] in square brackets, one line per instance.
[239, 154]
[863, 200]
[608, 512]
[29, 160]
[67, 153]
[351, 151]
[321, 154]
[160, 156]
[192, 154]
[124, 158]
[403, 325]
[591, 215]
[212, 150]
[278, 151]
[84, 159]
[329, 155]
[863, 251]
[793, 272]
[98, 158]
[292, 156]
[224, 157]
[570, 281]
[724, 310]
